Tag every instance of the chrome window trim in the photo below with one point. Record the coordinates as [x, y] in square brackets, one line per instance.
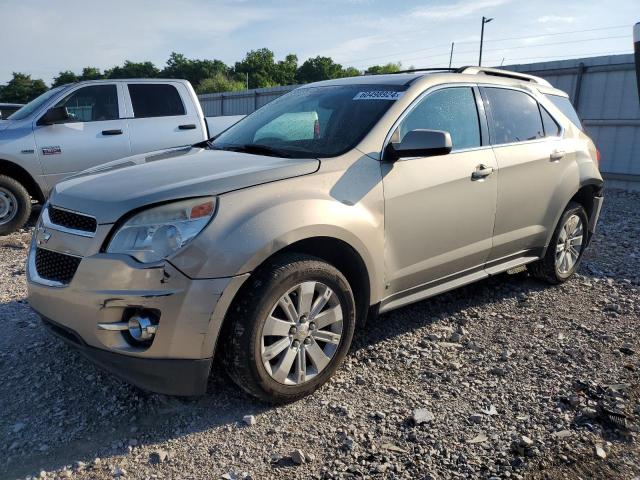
[47, 223]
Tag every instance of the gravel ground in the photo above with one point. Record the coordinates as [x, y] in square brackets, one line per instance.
[506, 378]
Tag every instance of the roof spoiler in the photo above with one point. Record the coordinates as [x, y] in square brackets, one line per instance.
[496, 72]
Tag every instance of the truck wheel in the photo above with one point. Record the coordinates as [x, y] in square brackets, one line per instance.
[567, 245]
[15, 205]
[290, 328]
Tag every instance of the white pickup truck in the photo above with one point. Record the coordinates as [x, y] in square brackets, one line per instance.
[81, 125]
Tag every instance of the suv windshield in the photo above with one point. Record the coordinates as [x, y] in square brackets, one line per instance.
[34, 105]
[311, 121]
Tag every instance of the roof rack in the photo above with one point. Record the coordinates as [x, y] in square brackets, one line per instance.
[496, 72]
[433, 69]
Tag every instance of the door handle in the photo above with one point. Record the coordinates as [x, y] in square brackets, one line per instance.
[112, 132]
[481, 172]
[189, 126]
[556, 155]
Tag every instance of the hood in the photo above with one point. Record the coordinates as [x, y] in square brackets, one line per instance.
[110, 191]
[4, 124]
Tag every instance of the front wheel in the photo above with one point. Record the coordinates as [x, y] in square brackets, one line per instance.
[15, 205]
[290, 328]
[567, 245]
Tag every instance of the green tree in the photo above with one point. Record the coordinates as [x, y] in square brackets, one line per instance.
[91, 73]
[179, 66]
[351, 72]
[63, 78]
[219, 83]
[133, 70]
[285, 70]
[318, 68]
[260, 66]
[22, 89]
[381, 69]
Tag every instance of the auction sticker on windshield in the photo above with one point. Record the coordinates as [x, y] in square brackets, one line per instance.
[378, 95]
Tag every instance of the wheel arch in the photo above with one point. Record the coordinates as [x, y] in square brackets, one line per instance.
[15, 171]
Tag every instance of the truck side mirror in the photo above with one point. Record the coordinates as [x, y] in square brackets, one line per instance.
[420, 143]
[55, 115]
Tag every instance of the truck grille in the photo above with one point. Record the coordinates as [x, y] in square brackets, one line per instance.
[72, 220]
[55, 266]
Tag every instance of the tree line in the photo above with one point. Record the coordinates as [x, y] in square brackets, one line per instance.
[258, 69]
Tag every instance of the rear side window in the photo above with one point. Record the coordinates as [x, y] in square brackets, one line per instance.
[452, 110]
[564, 105]
[155, 100]
[551, 127]
[515, 116]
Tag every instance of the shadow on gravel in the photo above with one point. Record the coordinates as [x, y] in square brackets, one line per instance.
[59, 409]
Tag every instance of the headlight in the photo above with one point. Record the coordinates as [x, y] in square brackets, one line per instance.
[156, 233]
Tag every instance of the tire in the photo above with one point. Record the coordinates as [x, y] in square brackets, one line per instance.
[257, 311]
[15, 205]
[550, 268]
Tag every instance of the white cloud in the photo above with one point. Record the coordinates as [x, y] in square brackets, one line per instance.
[459, 9]
[556, 19]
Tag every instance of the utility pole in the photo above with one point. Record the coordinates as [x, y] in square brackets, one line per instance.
[451, 54]
[484, 20]
[247, 80]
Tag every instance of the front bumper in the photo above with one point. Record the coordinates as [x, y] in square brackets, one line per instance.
[106, 286]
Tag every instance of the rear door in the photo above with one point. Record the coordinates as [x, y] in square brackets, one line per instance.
[163, 116]
[532, 163]
[439, 215]
[95, 134]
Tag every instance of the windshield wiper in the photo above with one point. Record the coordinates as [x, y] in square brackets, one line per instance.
[252, 148]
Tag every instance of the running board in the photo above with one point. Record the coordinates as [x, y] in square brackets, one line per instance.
[516, 270]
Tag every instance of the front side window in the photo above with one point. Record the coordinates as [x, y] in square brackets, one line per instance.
[452, 110]
[515, 116]
[94, 103]
[311, 122]
[155, 100]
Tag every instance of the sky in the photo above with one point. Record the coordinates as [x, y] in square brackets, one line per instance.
[43, 37]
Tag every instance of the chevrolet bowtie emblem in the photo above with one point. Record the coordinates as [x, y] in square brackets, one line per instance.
[43, 236]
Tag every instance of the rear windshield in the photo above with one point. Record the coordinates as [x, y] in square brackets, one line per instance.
[564, 105]
[313, 121]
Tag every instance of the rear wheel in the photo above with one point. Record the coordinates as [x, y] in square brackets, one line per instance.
[15, 205]
[290, 329]
[567, 245]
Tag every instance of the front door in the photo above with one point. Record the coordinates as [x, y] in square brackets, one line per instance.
[93, 135]
[439, 216]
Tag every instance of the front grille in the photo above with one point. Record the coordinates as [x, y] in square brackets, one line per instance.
[55, 266]
[74, 221]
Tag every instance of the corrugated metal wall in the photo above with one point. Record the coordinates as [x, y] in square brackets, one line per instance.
[602, 88]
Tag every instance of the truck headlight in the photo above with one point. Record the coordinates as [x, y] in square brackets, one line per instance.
[156, 233]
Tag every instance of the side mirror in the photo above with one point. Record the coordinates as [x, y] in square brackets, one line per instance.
[420, 143]
[55, 115]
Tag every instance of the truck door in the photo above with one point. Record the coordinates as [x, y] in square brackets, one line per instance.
[164, 116]
[94, 134]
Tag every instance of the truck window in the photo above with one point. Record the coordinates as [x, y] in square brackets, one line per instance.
[515, 116]
[155, 100]
[94, 103]
[564, 105]
[551, 127]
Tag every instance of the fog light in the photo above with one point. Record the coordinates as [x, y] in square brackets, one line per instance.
[142, 328]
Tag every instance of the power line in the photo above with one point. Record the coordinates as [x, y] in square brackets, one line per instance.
[518, 47]
[433, 47]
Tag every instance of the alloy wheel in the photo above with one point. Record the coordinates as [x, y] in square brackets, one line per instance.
[302, 333]
[569, 245]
